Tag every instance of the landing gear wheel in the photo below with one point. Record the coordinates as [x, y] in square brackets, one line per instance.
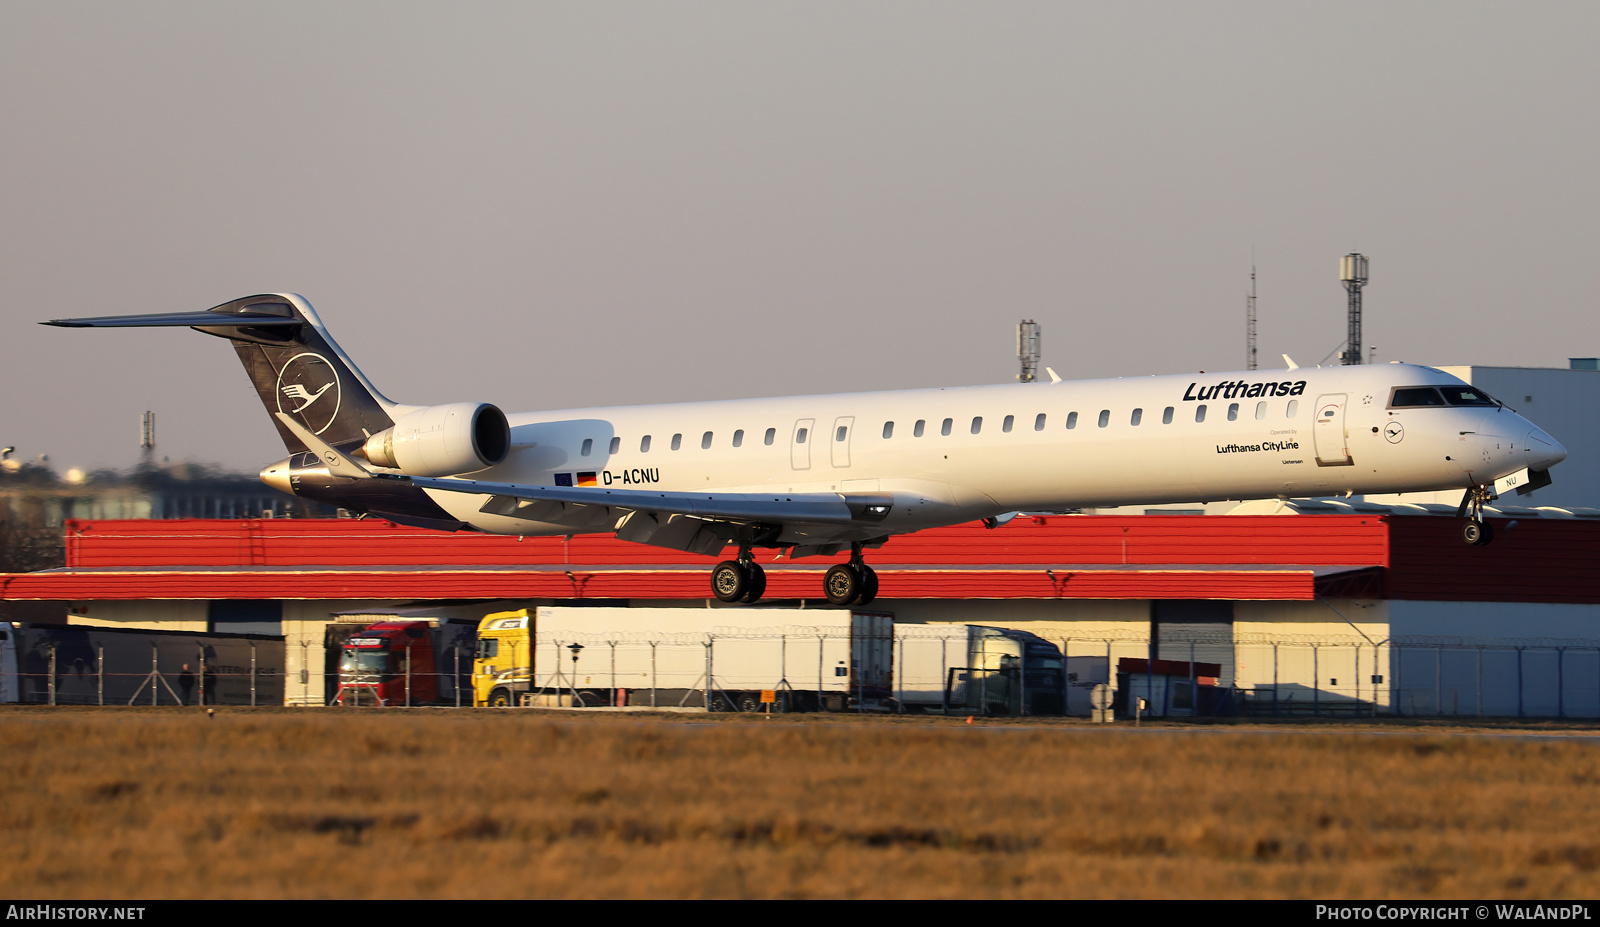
[1477, 533]
[841, 584]
[758, 583]
[730, 582]
[869, 585]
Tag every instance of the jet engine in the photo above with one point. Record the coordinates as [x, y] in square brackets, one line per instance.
[460, 437]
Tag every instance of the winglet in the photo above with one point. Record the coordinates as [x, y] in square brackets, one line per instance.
[339, 464]
[1053, 377]
[1290, 361]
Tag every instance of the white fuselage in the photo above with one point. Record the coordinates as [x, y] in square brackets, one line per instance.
[956, 454]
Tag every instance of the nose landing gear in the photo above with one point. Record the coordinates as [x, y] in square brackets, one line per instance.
[1476, 532]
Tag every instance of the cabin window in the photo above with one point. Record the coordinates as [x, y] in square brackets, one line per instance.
[944, 429]
[916, 430]
[1200, 413]
[1005, 426]
[1166, 416]
[738, 438]
[771, 434]
[1233, 411]
[839, 435]
[1294, 406]
[1038, 422]
[616, 444]
[677, 441]
[800, 436]
[977, 424]
[888, 430]
[1072, 420]
[588, 445]
[1105, 417]
[644, 444]
[1261, 411]
[1137, 414]
[705, 441]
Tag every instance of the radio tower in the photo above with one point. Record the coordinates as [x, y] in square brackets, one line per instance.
[1028, 349]
[1250, 320]
[1353, 273]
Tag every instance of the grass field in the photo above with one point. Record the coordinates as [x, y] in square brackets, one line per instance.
[310, 803]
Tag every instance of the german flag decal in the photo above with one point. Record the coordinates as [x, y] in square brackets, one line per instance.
[587, 478]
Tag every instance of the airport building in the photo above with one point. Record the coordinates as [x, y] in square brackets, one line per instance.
[1357, 609]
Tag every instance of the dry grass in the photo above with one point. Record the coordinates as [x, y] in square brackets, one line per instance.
[115, 804]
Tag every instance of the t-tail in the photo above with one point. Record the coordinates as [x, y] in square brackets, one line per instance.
[294, 364]
[302, 375]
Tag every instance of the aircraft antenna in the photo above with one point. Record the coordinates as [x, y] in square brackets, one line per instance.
[1250, 318]
[1353, 273]
[1028, 349]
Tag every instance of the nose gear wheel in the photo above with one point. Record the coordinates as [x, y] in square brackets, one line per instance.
[1476, 532]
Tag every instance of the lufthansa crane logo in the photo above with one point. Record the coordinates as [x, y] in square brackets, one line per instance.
[308, 388]
[1394, 431]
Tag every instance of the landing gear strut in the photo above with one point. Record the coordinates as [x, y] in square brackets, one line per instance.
[1476, 531]
[740, 580]
[852, 583]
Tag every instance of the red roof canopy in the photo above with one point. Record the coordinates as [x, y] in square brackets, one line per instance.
[1080, 557]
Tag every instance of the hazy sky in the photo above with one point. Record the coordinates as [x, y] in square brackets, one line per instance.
[545, 205]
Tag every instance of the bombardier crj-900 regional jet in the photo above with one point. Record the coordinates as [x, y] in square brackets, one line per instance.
[816, 474]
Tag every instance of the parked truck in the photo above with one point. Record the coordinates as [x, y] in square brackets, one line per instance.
[976, 669]
[403, 663]
[57, 664]
[749, 659]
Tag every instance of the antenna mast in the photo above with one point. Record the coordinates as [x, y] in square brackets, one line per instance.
[1353, 273]
[1028, 349]
[1250, 318]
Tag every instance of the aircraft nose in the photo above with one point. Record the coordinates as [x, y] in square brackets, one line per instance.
[1544, 450]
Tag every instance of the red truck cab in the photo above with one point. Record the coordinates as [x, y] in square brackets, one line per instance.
[373, 664]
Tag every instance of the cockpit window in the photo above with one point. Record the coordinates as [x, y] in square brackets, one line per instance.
[1467, 396]
[1412, 396]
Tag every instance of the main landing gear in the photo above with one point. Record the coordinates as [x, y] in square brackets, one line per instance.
[852, 583]
[743, 580]
[740, 580]
[1476, 532]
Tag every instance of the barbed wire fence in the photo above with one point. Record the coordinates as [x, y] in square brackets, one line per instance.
[1335, 675]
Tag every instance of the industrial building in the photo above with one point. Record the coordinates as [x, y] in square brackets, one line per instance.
[1365, 611]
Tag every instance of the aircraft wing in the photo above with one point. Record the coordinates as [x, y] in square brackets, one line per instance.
[678, 520]
[548, 503]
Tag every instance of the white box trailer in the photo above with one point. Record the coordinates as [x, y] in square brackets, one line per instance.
[46, 664]
[974, 668]
[807, 659]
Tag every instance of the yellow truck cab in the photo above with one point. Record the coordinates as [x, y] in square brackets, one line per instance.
[503, 664]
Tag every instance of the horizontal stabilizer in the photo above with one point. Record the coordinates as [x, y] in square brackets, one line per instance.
[177, 319]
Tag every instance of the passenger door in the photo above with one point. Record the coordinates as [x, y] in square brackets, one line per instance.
[1328, 431]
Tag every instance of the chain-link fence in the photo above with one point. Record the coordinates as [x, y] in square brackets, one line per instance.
[918, 668]
[78, 669]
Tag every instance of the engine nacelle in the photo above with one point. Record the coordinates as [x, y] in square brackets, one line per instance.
[460, 437]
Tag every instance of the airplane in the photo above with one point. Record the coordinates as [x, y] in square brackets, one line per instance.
[812, 475]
